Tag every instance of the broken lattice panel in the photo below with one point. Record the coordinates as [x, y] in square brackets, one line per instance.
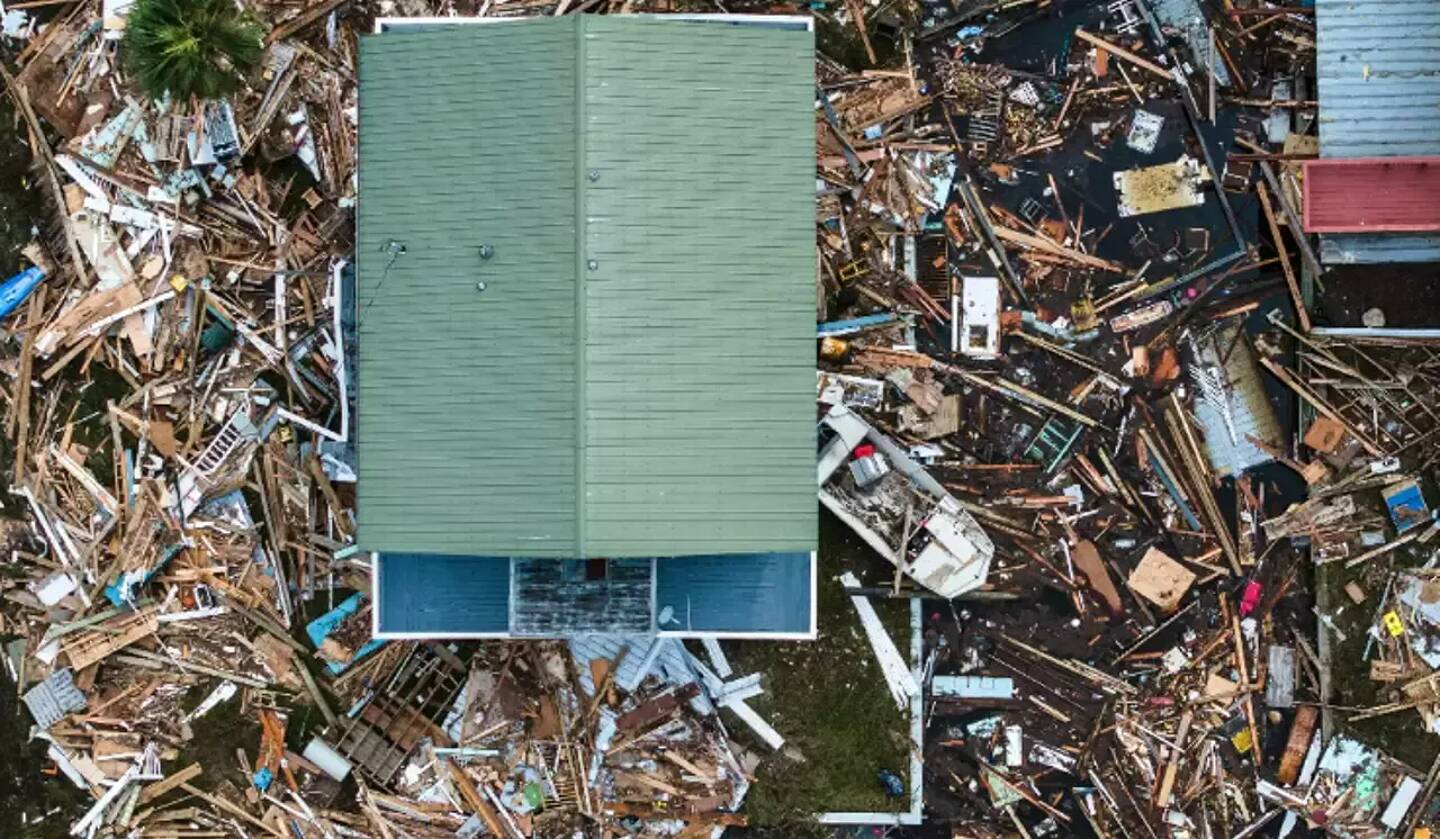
[86, 648]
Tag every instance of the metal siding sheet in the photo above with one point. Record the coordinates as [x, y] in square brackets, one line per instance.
[443, 595]
[1378, 70]
[1365, 248]
[699, 418]
[1378, 73]
[760, 593]
[466, 420]
[1372, 195]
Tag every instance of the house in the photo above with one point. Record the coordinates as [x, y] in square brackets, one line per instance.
[585, 303]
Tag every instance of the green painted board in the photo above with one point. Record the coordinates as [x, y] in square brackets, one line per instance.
[636, 378]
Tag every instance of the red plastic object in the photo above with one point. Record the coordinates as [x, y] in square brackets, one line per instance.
[864, 450]
[1250, 599]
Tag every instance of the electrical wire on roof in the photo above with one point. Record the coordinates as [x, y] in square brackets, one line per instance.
[395, 248]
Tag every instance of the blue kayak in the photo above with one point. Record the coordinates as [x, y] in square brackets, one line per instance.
[14, 290]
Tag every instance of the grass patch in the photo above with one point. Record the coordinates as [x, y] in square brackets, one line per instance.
[1400, 735]
[216, 737]
[830, 701]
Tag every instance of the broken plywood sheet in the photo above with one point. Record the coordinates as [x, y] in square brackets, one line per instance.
[944, 421]
[102, 250]
[1324, 435]
[1088, 562]
[1161, 580]
[1169, 186]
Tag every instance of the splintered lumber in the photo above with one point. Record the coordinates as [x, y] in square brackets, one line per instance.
[656, 709]
[892, 664]
[1021, 393]
[1042, 244]
[1285, 265]
[1167, 784]
[477, 803]
[636, 779]
[231, 809]
[1098, 677]
[1121, 52]
[302, 20]
[85, 648]
[1320, 405]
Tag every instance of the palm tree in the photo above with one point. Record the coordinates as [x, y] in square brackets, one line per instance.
[188, 48]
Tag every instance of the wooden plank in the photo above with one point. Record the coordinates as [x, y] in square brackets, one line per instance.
[757, 724]
[1138, 61]
[302, 20]
[1284, 253]
[84, 649]
[27, 362]
[656, 709]
[159, 788]
[892, 664]
[232, 809]
[1167, 783]
[717, 657]
[476, 802]
[1049, 246]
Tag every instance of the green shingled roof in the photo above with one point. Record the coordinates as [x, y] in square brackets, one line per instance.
[636, 378]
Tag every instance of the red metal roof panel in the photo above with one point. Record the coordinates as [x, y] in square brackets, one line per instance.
[1372, 194]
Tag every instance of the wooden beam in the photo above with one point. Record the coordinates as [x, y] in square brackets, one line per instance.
[1138, 61]
[1042, 244]
[475, 801]
[159, 788]
[1280, 248]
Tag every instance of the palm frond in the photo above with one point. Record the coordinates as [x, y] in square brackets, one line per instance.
[201, 48]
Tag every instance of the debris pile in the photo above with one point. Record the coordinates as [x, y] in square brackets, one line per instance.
[1090, 332]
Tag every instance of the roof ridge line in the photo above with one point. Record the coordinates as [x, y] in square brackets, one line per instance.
[582, 263]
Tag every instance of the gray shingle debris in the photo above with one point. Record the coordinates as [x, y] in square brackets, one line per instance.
[55, 697]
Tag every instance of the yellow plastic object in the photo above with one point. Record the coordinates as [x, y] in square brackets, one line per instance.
[1392, 623]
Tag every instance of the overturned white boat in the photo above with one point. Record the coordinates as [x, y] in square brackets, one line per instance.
[874, 487]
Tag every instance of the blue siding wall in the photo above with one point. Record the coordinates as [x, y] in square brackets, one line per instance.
[440, 595]
[763, 593]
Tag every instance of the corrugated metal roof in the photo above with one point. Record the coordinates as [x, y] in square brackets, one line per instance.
[635, 378]
[1366, 248]
[1372, 194]
[1233, 406]
[1378, 71]
[466, 401]
[1378, 68]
